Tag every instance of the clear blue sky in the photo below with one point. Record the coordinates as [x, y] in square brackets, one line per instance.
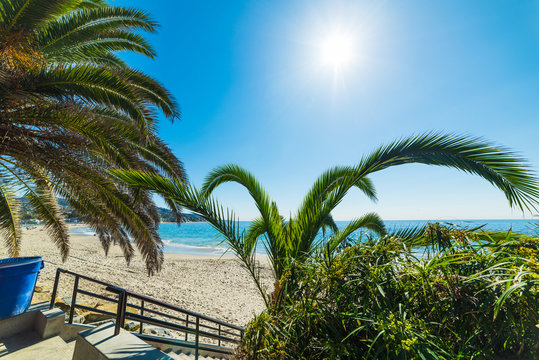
[253, 91]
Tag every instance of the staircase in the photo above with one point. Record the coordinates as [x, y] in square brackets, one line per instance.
[29, 345]
[41, 334]
[35, 334]
[190, 357]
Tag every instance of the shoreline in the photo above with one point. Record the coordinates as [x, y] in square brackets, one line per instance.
[215, 286]
[198, 239]
[170, 247]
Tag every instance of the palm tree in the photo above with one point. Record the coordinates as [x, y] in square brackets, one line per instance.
[292, 240]
[71, 109]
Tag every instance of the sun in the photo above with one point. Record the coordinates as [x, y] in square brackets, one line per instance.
[337, 50]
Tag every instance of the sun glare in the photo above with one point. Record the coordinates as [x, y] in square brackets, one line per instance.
[337, 50]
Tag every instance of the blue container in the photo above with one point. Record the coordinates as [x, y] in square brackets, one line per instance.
[18, 278]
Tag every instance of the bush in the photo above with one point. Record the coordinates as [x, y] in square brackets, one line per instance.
[472, 299]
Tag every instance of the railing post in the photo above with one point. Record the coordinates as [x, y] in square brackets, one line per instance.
[196, 338]
[186, 325]
[141, 314]
[124, 307]
[73, 299]
[219, 340]
[119, 307]
[55, 288]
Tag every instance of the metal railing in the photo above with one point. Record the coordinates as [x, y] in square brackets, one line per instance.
[184, 321]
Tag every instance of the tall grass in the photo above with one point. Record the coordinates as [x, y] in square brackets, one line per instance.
[468, 296]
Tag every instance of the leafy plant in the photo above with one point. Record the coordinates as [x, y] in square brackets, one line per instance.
[292, 241]
[377, 300]
[71, 109]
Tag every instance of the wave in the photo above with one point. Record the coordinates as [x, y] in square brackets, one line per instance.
[204, 250]
[82, 231]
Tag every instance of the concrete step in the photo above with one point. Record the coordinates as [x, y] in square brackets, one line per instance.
[38, 318]
[191, 356]
[29, 345]
[100, 343]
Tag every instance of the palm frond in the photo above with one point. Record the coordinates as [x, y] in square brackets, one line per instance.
[90, 23]
[44, 202]
[100, 46]
[17, 14]
[330, 180]
[46, 206]
[233, 173]
[200, 203]
[293, 241]
[412, 235]
[71, 109]
[329, 224]
[82, 80]
[256, 229]
[501, 167]
[9, 219]
[370, 221]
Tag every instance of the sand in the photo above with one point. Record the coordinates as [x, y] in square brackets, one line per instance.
[213, 286]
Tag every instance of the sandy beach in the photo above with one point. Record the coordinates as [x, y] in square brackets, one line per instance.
[213, 286]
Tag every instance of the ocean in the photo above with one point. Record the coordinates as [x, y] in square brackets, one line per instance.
[199, 238]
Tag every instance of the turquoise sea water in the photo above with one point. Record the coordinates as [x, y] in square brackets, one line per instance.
[201, 239]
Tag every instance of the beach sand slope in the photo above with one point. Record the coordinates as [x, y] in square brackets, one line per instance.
[213, 286]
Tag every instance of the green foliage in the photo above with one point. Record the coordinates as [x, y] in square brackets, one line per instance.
[292, 240]
[377, 300]
[71, 109]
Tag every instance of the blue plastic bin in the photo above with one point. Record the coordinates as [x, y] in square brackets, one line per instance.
[18, 278]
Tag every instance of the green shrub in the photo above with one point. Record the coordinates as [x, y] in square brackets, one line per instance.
[475, 297]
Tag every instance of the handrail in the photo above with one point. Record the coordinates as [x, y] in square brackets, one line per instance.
[82, 276]
[118, 290]
[186, 321]
[226, 334]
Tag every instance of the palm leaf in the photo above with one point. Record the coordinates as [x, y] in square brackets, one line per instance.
[44, 203]
[9, 220]
[501, 167]
[31, 13]
[46, 206]
[370, 221]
